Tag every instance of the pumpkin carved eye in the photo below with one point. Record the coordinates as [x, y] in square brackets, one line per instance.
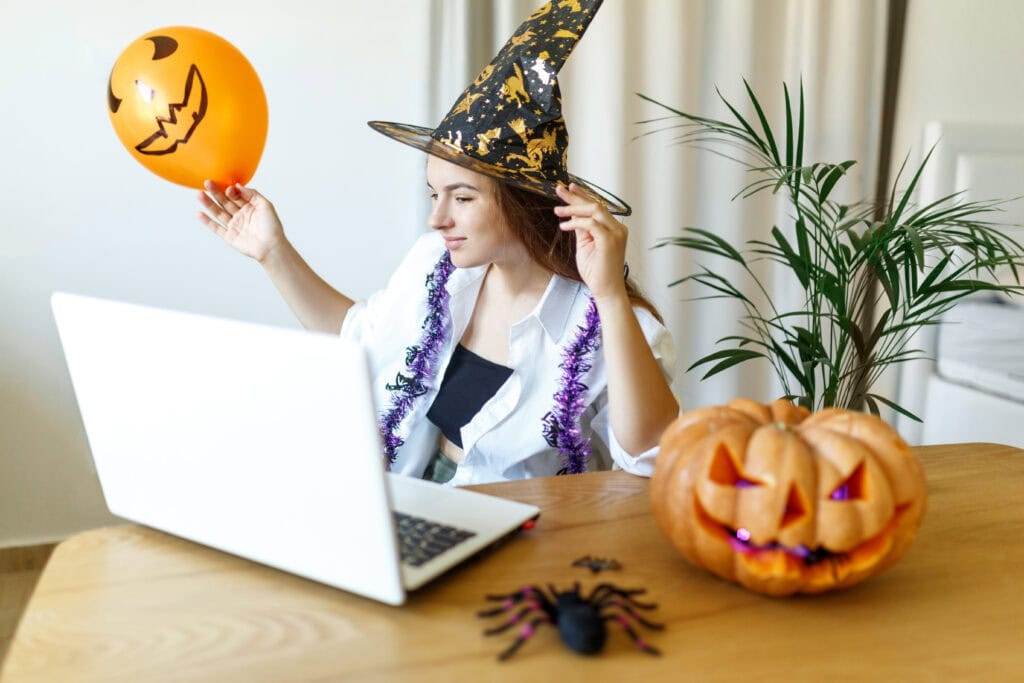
[724, 471]
[853, 487]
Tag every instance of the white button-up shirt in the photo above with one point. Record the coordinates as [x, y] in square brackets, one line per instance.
[505, 440]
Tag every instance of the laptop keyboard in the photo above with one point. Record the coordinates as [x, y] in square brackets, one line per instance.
[421, 540]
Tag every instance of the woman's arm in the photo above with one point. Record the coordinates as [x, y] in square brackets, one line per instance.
[640, 403]
[247, 222]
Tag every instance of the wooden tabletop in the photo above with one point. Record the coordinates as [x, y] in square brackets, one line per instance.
[126, 603]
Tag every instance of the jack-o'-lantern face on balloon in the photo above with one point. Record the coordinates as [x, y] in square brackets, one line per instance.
[781, 501]
[188, 106]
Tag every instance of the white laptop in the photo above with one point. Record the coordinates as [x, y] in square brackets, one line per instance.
[261, 442]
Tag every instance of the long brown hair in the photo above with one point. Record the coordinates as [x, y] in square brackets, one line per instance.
[532, 220]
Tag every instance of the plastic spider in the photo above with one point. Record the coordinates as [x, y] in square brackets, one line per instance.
[580, 621]
[596, 564]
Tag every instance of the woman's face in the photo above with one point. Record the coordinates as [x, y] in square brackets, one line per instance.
[465, 211]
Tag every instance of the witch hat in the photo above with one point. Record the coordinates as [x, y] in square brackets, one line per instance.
[508, 124]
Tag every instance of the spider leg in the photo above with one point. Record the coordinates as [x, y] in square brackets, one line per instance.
[513, 620]
[604, 591]
[639, 642]
[524, 634]
[506, 605]
[631, 612]
[554, 591]
[518, 596]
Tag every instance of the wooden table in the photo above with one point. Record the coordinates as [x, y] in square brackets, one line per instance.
[126, 603]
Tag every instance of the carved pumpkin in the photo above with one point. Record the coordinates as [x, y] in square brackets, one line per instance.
[783, 501]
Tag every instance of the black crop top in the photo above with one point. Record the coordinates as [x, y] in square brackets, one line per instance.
[469, 382]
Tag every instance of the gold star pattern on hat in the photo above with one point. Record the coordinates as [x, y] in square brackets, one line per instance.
[508, 123]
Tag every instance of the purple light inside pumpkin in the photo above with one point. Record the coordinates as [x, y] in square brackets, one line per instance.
[743, 535]
[841, 493]
[745, 483]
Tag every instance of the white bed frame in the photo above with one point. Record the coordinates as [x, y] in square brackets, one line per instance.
[985, 162]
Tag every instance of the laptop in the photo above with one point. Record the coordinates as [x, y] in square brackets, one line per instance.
[261, 442]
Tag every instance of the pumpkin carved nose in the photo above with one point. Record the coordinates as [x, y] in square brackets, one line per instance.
[796, 508]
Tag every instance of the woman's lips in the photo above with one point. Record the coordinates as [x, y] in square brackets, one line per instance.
[453, 242]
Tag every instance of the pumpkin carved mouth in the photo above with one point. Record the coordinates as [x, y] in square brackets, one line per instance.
[772, 551]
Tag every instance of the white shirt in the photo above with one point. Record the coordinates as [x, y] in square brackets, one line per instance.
[505, 440]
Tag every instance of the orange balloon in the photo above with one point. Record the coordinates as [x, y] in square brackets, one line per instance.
[188, 106]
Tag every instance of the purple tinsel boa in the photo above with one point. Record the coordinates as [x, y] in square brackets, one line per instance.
[420, 360]
[561, 426]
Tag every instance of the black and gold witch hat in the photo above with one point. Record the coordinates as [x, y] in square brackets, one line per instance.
[508, 124]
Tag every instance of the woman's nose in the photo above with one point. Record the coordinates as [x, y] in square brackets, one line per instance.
[439, 216]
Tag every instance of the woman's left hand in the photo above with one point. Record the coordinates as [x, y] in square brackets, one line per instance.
[600, 242]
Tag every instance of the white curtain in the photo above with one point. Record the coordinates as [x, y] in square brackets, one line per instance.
[678, 52]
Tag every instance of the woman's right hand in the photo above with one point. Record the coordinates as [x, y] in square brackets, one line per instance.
[243, 218]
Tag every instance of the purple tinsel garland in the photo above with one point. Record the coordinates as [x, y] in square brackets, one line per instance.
[419, 359]
[561, 426]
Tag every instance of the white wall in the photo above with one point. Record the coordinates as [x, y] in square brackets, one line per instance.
[79, 214]
[963, 62]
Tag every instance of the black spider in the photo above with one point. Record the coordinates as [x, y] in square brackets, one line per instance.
[580, 621]
[596, 564]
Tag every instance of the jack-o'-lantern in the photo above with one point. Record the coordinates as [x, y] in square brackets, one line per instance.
[785, 501]
[188, 106]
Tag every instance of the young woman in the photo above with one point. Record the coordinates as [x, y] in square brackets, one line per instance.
[509, 343]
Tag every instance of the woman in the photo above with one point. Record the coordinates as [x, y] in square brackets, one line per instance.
[526, 339]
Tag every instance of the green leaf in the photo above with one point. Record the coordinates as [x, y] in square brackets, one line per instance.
[805, 381]
[789, 128]
[764, 124]
[731, 357]
[907, 193]
[895, 406]
[834, 174]
[758, 142]
[796, 262]
[798, 160]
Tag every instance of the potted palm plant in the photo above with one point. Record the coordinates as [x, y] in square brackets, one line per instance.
[870, 277]
[810, 493]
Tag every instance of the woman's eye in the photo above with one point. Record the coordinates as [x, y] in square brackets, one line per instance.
[463, 200]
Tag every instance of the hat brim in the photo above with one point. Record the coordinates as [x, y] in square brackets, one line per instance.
[422, 138]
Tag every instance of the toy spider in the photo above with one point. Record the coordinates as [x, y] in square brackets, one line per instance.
[596, 564]
[580, 621]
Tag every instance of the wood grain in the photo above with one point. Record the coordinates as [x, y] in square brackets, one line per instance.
[20, 568]
[128, 604]
[25, 558]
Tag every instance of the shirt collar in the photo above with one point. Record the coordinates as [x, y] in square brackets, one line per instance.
[552, 310]
[555, 306]
[464, 277]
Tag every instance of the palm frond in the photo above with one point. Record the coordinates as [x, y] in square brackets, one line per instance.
[924, 259]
